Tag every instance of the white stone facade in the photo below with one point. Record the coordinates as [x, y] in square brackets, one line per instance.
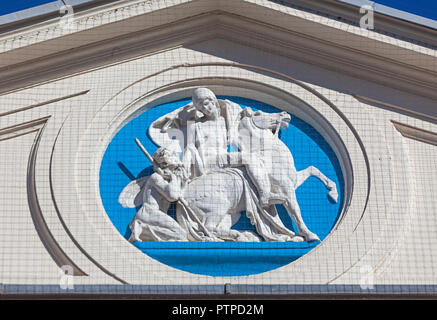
[65, 93]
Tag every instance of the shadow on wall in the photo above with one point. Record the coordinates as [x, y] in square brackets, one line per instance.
[312, 74]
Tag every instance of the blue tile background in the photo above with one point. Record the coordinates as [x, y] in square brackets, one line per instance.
[123, 161]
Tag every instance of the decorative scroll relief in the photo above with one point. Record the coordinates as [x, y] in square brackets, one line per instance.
[222, 174]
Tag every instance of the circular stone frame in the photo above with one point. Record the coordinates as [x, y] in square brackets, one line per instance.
[107, 247]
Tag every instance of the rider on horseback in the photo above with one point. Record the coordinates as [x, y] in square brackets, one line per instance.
[210, 135]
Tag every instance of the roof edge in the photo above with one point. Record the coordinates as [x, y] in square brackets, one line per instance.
[393, 12]
[44, 12]
[388, 21]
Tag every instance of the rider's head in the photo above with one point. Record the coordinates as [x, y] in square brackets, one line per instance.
[205, 101]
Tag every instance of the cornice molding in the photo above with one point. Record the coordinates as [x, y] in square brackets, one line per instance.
[414, 133]
[8, 112]
[48, 11]
[417, 77]
[331, 56]
[109, 11]
[103, 53]
[383, 23]
[140, 15]
[391, 107]
[22, 129]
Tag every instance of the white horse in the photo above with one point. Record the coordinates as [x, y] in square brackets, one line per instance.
[258, 138]
[217, 198]
[212, 203]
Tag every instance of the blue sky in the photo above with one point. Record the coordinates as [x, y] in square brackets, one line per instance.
[424, 8]
[9, 6]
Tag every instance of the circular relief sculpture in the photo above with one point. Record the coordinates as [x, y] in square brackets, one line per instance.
[221, 186]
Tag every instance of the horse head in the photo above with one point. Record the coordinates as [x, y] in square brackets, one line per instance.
[267, 121]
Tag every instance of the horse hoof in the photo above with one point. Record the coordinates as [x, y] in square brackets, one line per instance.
[133, 239]
[297, 239]
[310, 236]
[251, 236]
[333, 195]
[247, 236]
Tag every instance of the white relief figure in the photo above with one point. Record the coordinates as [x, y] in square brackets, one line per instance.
[210, 135]
[151, 223]
[222, 184]
[283, 176]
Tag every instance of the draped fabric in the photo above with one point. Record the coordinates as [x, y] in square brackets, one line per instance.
[266, 221]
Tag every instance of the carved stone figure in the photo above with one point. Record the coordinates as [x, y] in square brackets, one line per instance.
[274, 158]
[217, 185]
[151, 223]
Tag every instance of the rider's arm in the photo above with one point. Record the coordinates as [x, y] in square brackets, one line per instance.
[170, 190]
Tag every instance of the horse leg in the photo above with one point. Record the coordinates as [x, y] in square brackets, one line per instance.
[222, 228]
[311, 171]
[294, 211]
[219, 223]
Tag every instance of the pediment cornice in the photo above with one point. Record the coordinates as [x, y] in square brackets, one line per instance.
[329, 44]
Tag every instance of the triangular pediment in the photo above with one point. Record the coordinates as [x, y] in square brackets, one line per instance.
[103, 37]
[86, 103]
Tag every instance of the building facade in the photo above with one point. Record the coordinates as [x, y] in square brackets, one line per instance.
[76, 90]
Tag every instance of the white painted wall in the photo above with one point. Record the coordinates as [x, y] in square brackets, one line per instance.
[392, 233]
